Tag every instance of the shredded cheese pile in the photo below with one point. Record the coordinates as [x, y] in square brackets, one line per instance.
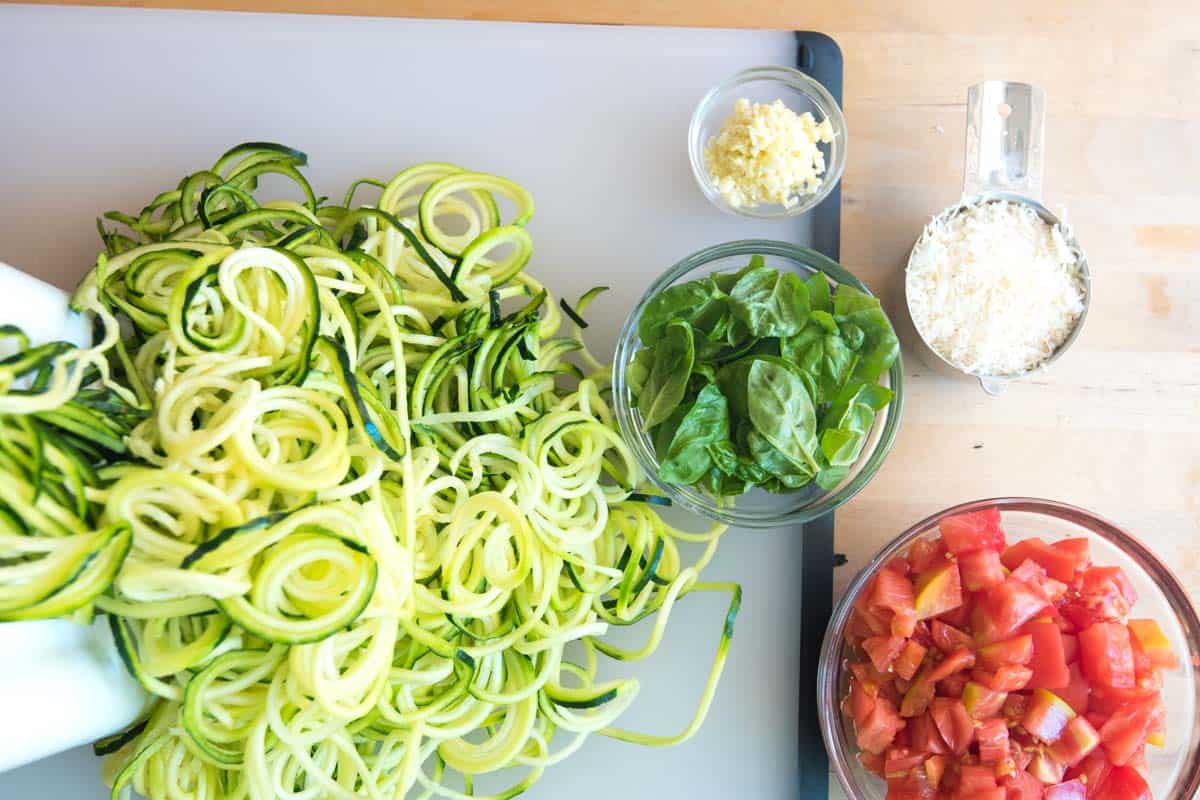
[994, 289]
[767, 153]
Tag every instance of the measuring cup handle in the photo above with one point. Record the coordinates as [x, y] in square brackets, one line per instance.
[1005, 139]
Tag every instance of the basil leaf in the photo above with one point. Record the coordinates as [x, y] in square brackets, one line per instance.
[782, 412]
[770, 302]
[880, 348]
[705, 424]
[819, 296]
[727, 280]
[699, 303]
[667, 382]
[849, 420]
[639, 370]
[829, 478]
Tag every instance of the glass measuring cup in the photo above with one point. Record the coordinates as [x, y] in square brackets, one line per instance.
[1005, 160]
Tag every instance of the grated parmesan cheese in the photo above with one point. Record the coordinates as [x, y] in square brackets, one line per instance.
[994, 289]
[767, 153]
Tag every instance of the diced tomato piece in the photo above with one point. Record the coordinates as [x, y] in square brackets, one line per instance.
[924, 737]
[1005, 608]
[913, 786]
[1070, 647]
[858, 703]
[1077, 691]
[954, 662]
[917, 696]
[1093, 771]
[1047, 716]
[1106, 654]
[1126, 730]
[893, 592]
[1007, 678]
[1021, 551]
[992, 736]
[1078, 739]
[1125, 783]
[953, 723]
[1049, 662]
[948, 638]
[980, 569]
[1014, 707]
[1108, 592]
[898, 564]
[1107, 700]
[953, 686]
[935, 768]
[1070, 790]
[978, 530]
[880, 727]
[958, 617]
[882, 650]
[975, 778]
[1045, 768]
[982, 702]
[909, 660]
[926, 553]
[1033, 574]
[868, 676]
[1023, 786]
[1017, 650]
[898, 761]
[1153, 642]
[938, 590]
[1078, 548]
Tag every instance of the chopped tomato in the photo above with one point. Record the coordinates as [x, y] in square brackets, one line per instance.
[1033, 574]
[954, 685]
[1017, 650]
[1107, 591]
[935, 768]
[1070, 647]
[1077, 691]
[1107, 700]
[958, 617]
[882, 650]
[894, 592]
[1047, 716]
[880, 727]
[1045, 768]
[948, 638]
[913, 786]
[924, 554]
[1079, 549]
[1093, 771]
[1126, 730]
[975, 778]
[917, 696]
[979, 530]
[1078, 616]
[858, 703]
[938, 590]
[1106, 654]
[1070, 790]
[1078, 740]
[872, 762]
[1005, 608]
[1021, 551]
[1023, 786]
[1049, 662]
[909, 660]
[980, 569]
[958, 660]
[953, 723]
[1058, 564]
[898, 761]
[924, 736]
[993, 740]
[1007, 678]
[982, 702]
[1125, 783]
[1153, 643]
[1014, 707]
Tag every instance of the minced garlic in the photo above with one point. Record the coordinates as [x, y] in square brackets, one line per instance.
[767, 153]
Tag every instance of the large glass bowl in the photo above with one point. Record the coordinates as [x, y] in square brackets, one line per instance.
[800, 93]
[1174, 769]
[756, 508]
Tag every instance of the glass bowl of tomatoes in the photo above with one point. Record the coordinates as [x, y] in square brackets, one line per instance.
[1013, 649]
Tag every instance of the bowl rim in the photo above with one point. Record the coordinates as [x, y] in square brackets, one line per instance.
[830, 668]
[794, 79]
[627, 345]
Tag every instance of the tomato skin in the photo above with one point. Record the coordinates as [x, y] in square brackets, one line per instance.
[880, 727]
[1124, 783]
[1017, 650]
[909, 660]
[1126, 730]
[882, 650]
[1080, 549]
[1108, 592]
[977, 530]
[980, 569]
[1003, 609]
[947, 638]
[1106, 700]
[924, 736]
[1049, 661]
[1007, 678]
[1070, 647]
[1106, 655]
[1058, 564]
[924, 554]
[893, 592]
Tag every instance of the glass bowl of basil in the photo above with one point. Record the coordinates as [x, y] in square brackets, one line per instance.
[758, 383]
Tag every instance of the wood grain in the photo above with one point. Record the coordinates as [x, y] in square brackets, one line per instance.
[1116, 425]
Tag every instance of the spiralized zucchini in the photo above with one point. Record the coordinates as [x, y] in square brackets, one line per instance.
[371, 513]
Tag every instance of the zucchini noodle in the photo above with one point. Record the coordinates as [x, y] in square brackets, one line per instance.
[355, 507]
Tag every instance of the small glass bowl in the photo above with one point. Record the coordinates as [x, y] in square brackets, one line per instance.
[798, 92]
[1174, 770]
[757, 508]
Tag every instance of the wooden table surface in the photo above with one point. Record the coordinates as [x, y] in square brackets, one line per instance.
[1115, 427]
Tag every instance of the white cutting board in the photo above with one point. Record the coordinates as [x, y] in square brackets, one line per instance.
[104, 108]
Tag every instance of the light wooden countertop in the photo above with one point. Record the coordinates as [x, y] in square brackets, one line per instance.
[1115, 427]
